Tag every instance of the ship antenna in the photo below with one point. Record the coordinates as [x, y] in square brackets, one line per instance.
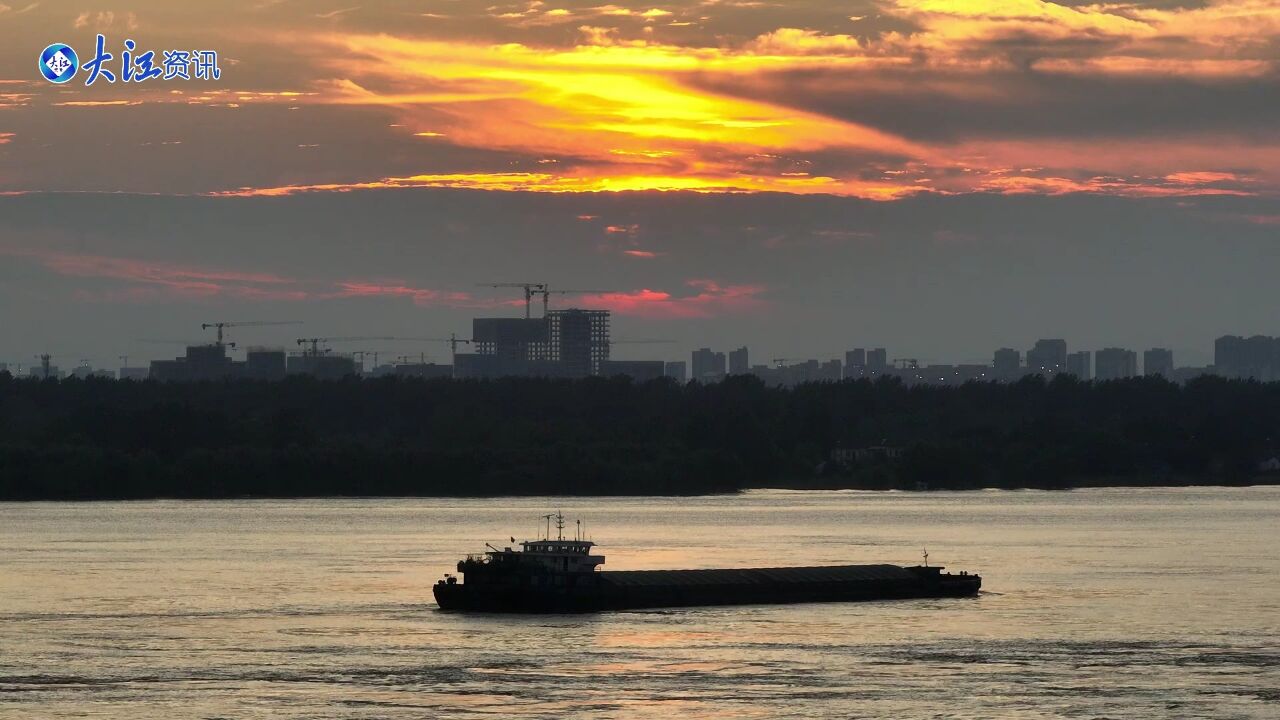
[578, 535]
[926, 556]
[559, 525]
[547, 517]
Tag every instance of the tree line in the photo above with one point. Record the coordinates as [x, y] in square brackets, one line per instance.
[301, 437]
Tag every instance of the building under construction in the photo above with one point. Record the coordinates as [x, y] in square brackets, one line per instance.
[570, 343]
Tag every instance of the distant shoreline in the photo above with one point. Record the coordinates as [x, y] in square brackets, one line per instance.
[1260, 481]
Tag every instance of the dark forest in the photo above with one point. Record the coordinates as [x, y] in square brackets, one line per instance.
[103, 439]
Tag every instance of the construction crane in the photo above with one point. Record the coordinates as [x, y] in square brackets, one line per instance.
[544, 290]
[251, 323]
[530, 289]
[315, 342]
[453, 341]
[547, 292]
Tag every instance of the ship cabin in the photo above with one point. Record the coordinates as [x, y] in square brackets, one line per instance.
[566, 556]
[550, 561]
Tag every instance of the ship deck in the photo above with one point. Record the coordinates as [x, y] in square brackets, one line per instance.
[755, 576]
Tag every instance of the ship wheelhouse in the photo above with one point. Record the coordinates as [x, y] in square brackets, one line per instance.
[558, 561]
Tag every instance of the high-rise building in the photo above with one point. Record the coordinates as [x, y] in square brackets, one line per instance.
[44, 372]
[1158, 361]
[202, 362]
[265, 364]
[505, 346]
[855, 363]
[877, 360]
[1078, 364]
[678, 371]
[1115, 363]
[738, 364]
[1006, 362]
[831, 370]
[578, 340]
[1047, 357]
[1255, 357]
[82, 372]
[707, 366]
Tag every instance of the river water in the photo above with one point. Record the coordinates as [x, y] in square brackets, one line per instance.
[1111, 603]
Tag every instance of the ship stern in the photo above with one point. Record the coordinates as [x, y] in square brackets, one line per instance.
[449, 596]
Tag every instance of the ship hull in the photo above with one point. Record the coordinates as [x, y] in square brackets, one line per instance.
[692, 588]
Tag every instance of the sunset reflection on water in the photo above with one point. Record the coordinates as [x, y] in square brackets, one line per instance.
[1120, 603]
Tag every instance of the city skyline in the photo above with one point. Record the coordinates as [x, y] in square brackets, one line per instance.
[943, 178]
[505, 346]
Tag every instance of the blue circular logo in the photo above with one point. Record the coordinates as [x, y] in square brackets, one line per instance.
[58, 63]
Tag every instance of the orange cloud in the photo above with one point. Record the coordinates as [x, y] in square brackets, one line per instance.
[625, 114]
[586, 182]
[638, 114]
[1129, 187]
[1202, 178]
[608, 100]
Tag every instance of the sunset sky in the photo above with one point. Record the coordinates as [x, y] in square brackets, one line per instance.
[941, 178]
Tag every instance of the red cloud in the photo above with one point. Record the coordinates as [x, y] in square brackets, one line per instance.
[711, 299]
[155, 278]
[153, 281]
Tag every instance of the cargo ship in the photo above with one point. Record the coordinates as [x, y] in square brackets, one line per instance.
[562, 576]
